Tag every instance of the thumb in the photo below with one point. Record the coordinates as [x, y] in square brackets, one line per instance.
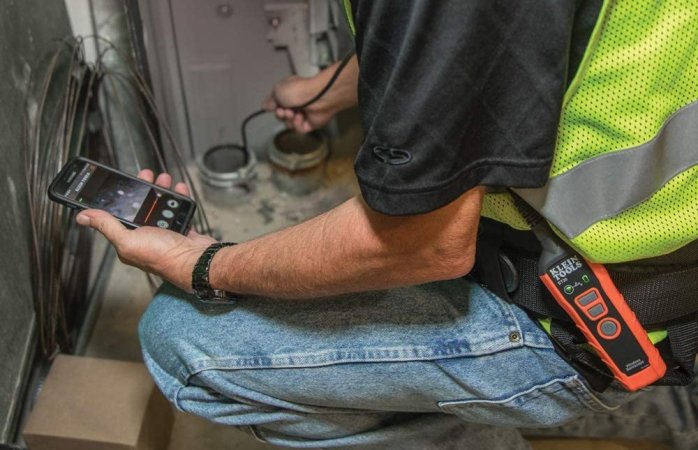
[270, 103]
[103, 222]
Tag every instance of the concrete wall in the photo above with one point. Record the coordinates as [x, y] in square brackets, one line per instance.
[210, 70]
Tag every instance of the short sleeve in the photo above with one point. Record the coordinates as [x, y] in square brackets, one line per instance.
[455, 94]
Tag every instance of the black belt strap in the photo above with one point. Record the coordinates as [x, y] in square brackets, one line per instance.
[683, 341]
[678, 351]
[656, 300]
[570, 343]
[663, 296]
[656, 297]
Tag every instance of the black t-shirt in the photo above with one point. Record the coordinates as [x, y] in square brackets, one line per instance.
[459, 93]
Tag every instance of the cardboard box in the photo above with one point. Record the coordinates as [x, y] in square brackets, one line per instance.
[98, 404]
[594, 444]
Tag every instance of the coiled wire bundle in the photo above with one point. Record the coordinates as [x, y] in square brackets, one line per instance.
[105, 112]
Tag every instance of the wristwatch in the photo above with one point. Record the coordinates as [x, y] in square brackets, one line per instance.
[200, 277]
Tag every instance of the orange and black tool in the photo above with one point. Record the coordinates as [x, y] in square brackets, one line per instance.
[589, 296]
[586, 292]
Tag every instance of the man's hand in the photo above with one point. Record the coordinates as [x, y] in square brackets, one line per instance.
[350, 248]
[295, 91]
[161, 252]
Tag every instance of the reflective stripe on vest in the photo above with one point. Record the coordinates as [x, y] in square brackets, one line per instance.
[624, 179]
[573, 206]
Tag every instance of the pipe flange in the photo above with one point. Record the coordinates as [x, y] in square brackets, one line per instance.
[235, 169]
[296, 152]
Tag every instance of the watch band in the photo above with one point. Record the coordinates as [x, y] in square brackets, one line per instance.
[200, 276]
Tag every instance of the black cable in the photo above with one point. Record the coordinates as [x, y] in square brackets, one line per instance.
[243, 127]
[329, 84]
[318, 96]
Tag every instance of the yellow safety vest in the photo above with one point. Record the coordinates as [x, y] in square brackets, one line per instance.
[623, 184]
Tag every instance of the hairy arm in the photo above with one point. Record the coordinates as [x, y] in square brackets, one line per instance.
[348, 249]
[353, 248]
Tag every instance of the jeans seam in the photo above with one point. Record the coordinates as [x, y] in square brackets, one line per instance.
[324, 359]
[256, 435]
[184, 374]
[302, 408]
[175, 399]
[537, 388]
[585, 395]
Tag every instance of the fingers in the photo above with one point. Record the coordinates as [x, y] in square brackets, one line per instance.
[301, 124]
[305, 127]
[164, 180]
[146, 175]
[182, 188]
[298, 122]
[270, 103]
[103, 222]
[284, 113]
[294, 120]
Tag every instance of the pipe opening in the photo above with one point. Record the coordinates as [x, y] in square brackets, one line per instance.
[225, 158]
[289, 141]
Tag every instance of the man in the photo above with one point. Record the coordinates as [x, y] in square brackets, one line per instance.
[357, 327]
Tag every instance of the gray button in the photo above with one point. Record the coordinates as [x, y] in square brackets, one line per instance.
[587, 298]
[172, 203]
[167, 214]
[163, 224]
[596, 311]
[608, 328]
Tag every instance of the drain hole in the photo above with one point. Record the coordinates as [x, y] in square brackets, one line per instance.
[289, 141]
[225, 158]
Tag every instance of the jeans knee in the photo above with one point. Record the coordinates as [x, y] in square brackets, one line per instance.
[162, 349]
[153, 328]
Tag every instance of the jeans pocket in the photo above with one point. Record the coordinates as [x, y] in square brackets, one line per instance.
[551, 404]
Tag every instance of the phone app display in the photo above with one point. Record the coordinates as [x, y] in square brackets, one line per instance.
[123, 197]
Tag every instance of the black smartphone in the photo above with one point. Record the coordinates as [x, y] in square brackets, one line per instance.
[84, 184]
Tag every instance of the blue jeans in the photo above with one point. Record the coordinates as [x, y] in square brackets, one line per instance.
[443, 365]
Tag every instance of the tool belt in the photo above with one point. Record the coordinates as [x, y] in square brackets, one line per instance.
[663, 293]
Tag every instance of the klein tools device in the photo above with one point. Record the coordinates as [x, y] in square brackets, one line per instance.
[588, 295]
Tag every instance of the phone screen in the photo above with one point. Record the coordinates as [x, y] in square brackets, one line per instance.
[126, 198]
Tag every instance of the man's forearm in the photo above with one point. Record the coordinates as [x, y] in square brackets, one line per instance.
[343, 94]
[352, 249]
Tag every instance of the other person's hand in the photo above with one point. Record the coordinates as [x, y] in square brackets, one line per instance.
[165, 253]
[295, 91]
